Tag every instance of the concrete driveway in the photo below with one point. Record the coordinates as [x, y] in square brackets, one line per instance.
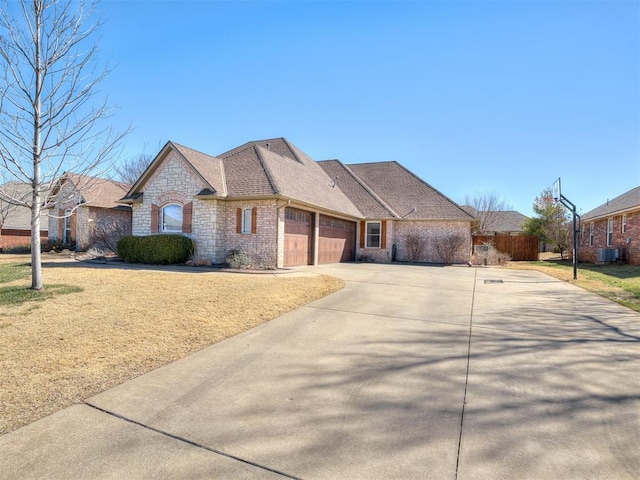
[409, 372]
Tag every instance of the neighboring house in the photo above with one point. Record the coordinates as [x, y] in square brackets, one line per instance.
[500, 222]
[15, 220]
[270, 200]
[81, 207]
[613, 225]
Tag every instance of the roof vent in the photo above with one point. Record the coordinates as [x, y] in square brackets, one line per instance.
[268, 146]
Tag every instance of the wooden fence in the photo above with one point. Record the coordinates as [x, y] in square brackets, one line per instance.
[519, 248]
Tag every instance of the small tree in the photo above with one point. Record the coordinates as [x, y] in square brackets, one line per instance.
[415, 246]
[551, 222]
[487, 207]
[49, 122]
[448, 247]
[131, 170]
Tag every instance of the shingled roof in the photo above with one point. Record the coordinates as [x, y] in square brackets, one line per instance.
[18, 217]
[95, 192]
[500, 220]
[627, 201]
[407, 195]
[275, 166]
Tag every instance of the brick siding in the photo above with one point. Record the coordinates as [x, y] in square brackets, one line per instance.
[588, 253]
[432, 232]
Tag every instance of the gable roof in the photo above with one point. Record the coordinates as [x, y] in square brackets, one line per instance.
[367, 202]
[95, 192]
[277, 167]
[627, 201]
[407, 195]
[209, 169]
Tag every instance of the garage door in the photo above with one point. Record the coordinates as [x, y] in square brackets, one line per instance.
[337, 240]
[297, 237]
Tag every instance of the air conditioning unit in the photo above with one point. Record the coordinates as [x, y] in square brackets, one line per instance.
[608, 255]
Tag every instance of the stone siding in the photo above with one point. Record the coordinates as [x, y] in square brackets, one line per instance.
[432, 232]
[588, 253]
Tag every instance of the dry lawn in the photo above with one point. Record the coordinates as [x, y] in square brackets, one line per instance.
[124, 323]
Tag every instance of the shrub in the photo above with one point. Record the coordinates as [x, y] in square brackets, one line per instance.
[415, 246]
[250, 260]
[155, 249]
[487, 254]
[447, 247]
[108, 232]
[238, 260]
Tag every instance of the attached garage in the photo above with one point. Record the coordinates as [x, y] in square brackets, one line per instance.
[297, 237]
[337, 240]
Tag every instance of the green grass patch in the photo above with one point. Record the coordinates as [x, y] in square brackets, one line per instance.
[10, 272]
[18, 295]
[620, 283]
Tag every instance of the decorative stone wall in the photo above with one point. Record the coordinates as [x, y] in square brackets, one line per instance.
[172, 182]
[588, 253]
[432, 232]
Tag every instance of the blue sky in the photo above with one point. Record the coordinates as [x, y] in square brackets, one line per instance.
[476, 96]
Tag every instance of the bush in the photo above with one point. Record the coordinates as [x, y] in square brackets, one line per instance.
[415, 246]
[447, 247]
[487, 254]
[238, 260]
[155, 249]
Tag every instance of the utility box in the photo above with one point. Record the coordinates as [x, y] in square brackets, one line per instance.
[608, 255]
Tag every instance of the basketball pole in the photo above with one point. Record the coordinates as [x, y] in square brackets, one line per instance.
[571, 206]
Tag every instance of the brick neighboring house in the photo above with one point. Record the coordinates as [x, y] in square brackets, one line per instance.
[272, 201]
[81, 205]
[15, 220]
[499, 222]
[615, 225]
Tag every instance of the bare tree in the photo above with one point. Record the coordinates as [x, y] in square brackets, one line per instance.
[448, 246]
[415, 246]
[50, 121]
[131, 170]
[486, 208]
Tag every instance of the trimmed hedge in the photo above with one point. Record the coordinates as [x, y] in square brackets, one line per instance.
[155, 249]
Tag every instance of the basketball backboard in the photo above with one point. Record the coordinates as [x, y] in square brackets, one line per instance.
[555, 189]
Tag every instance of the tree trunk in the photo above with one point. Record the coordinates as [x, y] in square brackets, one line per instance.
[36, 259]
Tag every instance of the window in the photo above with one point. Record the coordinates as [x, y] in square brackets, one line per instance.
[609, 232]
[67, 227]
[624, 224]
[591, 234]
[172, 218]
[373, 234]
[246, 220]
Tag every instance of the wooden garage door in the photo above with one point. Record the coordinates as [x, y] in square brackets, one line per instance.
[297, 237]
[337, 240]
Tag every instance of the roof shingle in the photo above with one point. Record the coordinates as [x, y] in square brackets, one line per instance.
[626, 201]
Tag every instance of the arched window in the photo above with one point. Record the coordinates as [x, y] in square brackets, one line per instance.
[171, 218]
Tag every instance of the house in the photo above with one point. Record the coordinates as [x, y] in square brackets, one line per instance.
[499, 222]
[614, 225]
[81, 207]
[273, 202]
[15, 220]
